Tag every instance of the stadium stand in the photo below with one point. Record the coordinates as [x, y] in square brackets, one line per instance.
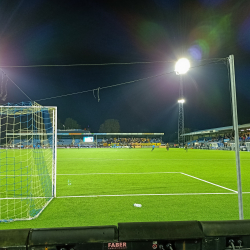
[219, 138]
[80, 138]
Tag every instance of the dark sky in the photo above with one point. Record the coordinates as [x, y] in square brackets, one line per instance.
[56, 32]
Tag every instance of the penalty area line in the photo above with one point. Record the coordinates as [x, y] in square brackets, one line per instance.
[93, 174]
[164, 159]
[125, 173]
[126, 195]
[210, 183]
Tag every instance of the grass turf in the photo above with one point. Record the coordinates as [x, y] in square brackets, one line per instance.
[112, 180]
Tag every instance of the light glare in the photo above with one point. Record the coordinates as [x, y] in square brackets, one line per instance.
[181, 100]
[182, 66]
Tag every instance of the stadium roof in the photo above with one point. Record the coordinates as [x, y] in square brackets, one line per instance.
[216, 130]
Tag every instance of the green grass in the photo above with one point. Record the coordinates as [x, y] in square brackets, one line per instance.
[108, 180]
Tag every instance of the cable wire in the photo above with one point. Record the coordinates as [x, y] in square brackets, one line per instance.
[123, 83]
[98, 89]
[15, 84]
[82, 64]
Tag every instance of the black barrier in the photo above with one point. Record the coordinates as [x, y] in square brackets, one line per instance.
[226, 228]
[72, 235]
[14, 238]
[181, 235]
[160, 230]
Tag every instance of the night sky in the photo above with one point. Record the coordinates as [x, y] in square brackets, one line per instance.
[51, 32]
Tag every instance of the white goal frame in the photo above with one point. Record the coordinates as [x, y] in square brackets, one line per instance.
[54, 155]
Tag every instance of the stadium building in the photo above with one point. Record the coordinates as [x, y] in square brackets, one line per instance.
[219, 138]
[83, 138]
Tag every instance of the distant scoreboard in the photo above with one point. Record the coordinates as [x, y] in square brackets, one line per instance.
[88, 139]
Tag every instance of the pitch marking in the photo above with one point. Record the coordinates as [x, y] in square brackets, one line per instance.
[209, 182]
[167, 159]
[124, 195]
[95, 174]
[117, 195]
[125, 173]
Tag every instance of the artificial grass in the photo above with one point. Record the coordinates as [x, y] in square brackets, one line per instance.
[76, 176]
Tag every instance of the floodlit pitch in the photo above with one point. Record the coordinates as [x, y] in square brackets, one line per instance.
[100, 186]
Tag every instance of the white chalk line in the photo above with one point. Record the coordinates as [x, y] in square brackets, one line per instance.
[157, 173]
[119, 195]
[125, 195]
[123, 173]
[165, 159]
[93, 174]
[210, 183]
[152, 173]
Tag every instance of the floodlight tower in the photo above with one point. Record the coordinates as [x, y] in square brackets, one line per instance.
[181, 101]
[181, 67]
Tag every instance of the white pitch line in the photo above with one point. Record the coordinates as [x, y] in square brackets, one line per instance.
[117, 195]
[125, 173]
[210, 182]
[125, 195]
[94, 174]
[166, 159]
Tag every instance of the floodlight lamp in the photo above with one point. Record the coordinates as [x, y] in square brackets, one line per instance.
[182, 66]
[181, 100]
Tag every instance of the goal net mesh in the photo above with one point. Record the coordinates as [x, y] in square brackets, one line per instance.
[27, 160]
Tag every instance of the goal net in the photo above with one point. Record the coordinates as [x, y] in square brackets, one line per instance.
[27, 160]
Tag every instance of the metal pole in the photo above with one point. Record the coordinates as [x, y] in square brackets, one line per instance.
[236, 134]
[181, 139]
[55, 152]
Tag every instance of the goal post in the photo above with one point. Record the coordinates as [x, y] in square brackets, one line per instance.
[28, 145]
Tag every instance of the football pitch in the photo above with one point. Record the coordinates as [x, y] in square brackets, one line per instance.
[99, 187]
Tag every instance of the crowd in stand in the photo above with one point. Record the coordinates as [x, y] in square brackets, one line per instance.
[103, 141]
[244, 137]
[129, 141]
